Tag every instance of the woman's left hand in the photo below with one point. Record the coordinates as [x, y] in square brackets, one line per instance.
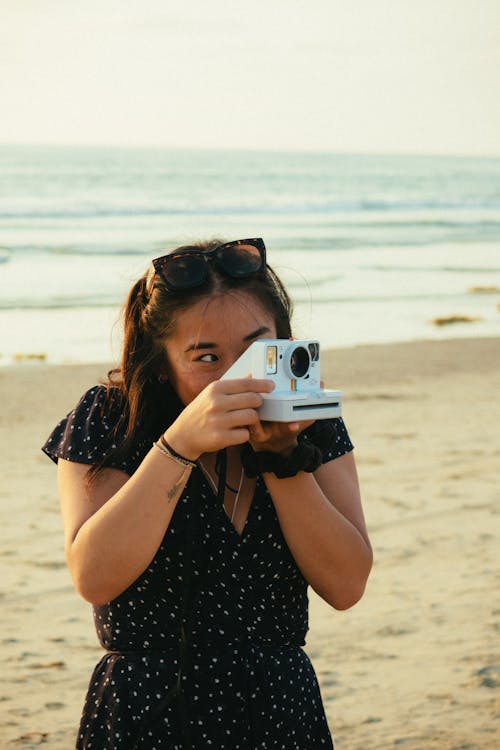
[278, 437]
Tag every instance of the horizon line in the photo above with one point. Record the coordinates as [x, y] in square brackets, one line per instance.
[247, 149]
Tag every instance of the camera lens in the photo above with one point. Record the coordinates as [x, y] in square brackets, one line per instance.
[299, 362]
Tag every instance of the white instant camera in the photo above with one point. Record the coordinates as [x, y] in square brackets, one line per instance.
[293, 366]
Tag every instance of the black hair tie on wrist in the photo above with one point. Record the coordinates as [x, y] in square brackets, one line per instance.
[305, 457]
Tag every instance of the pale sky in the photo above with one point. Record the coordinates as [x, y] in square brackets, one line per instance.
[413, 76]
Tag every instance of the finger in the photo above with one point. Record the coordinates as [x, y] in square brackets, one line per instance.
[257, 433]
[235, 401]
[238, 436]
[243, 385]
[241, 418]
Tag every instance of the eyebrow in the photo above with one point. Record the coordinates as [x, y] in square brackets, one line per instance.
[200, 345]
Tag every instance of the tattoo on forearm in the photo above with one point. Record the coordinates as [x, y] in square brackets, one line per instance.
[174, 490]
[178, 485]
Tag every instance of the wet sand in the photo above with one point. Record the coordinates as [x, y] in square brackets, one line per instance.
[415, 664]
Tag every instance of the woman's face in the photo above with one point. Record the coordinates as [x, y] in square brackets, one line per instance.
[210, 336]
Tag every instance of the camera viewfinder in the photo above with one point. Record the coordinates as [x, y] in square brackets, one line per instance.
[271, 360]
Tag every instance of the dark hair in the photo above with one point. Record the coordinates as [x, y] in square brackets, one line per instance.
[150, 315]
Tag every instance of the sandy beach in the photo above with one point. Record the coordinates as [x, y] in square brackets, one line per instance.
[415, 664]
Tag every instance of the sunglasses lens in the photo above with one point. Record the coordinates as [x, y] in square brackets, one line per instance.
[188, 268]
[185, 270]
[239, 260]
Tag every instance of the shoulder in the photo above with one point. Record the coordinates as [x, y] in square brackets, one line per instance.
[100, 404]
[91, 429]
[100, 409]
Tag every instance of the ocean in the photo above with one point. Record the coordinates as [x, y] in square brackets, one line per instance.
[372, 248]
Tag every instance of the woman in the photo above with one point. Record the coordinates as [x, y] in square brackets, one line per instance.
[196, 553]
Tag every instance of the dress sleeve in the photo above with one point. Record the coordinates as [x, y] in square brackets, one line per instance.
[331, 436]
[89, 432]
[341, 444]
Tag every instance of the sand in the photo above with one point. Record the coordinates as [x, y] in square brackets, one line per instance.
[415, 664]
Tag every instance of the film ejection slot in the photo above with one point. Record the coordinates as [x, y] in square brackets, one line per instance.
[326, 405]
[294, 368]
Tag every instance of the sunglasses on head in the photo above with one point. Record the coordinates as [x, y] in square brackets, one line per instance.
[187, 268]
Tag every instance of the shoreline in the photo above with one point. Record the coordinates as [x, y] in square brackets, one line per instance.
[416, 662]
[330, 356]
[109, 348]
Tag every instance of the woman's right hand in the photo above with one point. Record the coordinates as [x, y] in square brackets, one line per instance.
[218, 417]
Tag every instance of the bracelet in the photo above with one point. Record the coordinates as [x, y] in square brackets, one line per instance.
[305, 457]
[165, 448]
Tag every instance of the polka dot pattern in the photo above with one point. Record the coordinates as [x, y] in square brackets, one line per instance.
[226, 670]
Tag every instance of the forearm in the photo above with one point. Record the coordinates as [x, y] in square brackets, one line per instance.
[332, 554]
[117, 543]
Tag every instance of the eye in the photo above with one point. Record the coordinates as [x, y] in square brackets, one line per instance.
[207, 358]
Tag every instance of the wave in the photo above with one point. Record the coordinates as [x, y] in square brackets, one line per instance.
[146, 249]
[291, 244]
[75, 302]
[81, 303]
[433, 269]
[299, 208]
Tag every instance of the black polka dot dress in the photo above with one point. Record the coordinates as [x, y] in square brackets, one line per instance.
[203, 650]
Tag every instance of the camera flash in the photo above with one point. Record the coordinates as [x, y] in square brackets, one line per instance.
[271, 360]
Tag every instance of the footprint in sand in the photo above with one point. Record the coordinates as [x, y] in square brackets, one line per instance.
[489, 676]
[36, 738]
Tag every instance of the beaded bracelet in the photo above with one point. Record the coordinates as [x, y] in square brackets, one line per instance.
[165, 448]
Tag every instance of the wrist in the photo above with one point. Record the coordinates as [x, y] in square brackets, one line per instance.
[178, 446]
[167, 450]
